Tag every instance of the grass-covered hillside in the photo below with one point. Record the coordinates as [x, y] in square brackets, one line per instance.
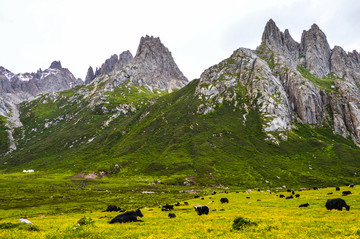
[164, 135]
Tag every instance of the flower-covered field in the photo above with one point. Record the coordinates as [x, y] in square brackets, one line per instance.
[271, 216]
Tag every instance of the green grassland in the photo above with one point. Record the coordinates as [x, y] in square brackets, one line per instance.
[55, 204]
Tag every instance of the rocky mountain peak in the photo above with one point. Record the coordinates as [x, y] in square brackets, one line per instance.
[272, 34]
[110, 66]
[155, 66]
[56, 65]
[317, 52]
[89, 75]
[125, 59]
[280, 42]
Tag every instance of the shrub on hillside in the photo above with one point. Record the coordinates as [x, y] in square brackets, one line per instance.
[240, 223]
[85, 221]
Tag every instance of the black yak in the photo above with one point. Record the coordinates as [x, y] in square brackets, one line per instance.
[337, 204]
[129, 216]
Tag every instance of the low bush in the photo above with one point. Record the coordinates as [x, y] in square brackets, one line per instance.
[240, 223]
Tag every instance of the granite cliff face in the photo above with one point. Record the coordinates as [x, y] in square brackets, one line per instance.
[289, 82]
[110, 66]
[152, 67]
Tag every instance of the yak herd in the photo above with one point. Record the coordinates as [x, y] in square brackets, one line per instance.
[131, 216]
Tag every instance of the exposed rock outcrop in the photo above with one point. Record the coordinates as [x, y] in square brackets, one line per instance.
[125, 59]
[153, 67]
[90, 75]
[111, 66]
[244, 69]
[15, 88]
[316, 49]
[312, 103]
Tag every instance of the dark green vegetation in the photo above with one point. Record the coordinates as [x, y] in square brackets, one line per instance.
[20, 226]
[29, 195]
[165, 136]
[240, 223]
[4, 139]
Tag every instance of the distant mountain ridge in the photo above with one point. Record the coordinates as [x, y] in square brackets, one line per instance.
[16, 88]
[25, 85]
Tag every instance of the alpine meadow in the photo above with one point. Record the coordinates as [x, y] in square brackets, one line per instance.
[268, 129]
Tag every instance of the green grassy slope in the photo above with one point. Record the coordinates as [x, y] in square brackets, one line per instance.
[170, 138]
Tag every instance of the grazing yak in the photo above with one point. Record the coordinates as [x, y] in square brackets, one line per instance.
[281, 196]
[345, 193]
[202, 210]
[171, 215]
[167, 207]
[112, 208]
[196, 196]
[337, 189]
[304, 205]
[129, 216]
[289, 197]
[224, 200]
[351, 185]
[337, 204]
[297, 195]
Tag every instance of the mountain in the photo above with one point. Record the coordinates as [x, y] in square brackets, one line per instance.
[16, 88]
[284, 114]
[322, 84]
[152, 67]
[111, 65]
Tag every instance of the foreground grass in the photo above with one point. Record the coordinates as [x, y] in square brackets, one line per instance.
[275, 217]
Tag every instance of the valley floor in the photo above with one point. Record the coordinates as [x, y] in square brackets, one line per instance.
[57, 215]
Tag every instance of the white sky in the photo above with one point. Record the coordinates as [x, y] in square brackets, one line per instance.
[199, 33]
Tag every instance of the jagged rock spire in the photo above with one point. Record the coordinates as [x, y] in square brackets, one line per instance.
[156, 66]
[272, 34]
[56, 65]
[125, 59]
[90, 75]
[317, 52]
[281, 42]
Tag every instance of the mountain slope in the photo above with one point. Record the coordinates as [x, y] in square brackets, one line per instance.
[263, 118]
[16, 88]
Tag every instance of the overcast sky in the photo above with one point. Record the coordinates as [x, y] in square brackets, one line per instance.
[199, 33]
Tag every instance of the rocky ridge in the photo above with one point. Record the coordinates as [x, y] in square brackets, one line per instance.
[110, 66]
[16, 88]
[153, 67]
[290, 82]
